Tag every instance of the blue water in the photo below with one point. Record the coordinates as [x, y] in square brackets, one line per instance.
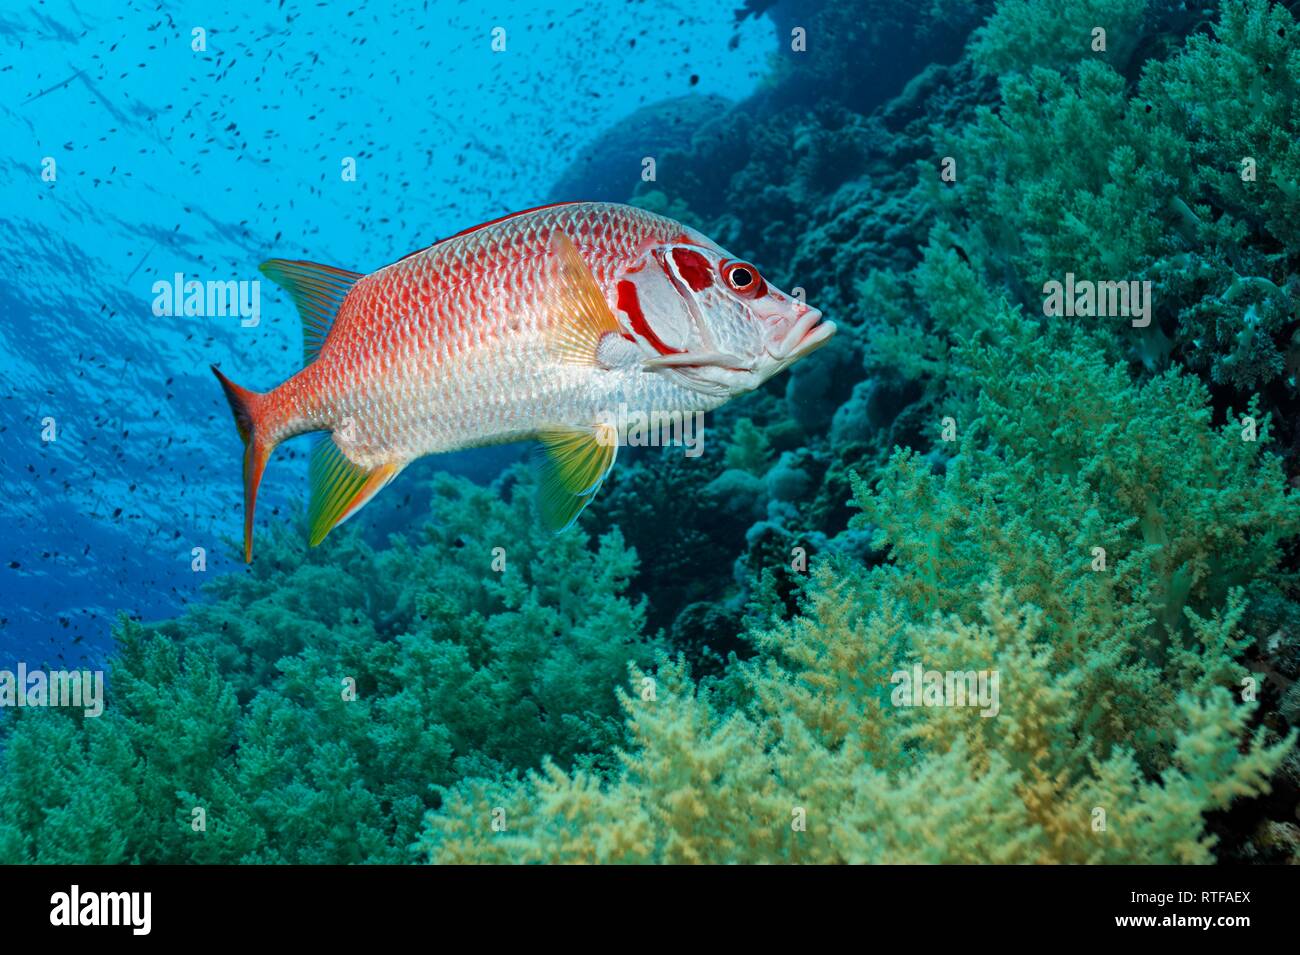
[167, 160]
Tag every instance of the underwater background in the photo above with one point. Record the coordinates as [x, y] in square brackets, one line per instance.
[1102, 510]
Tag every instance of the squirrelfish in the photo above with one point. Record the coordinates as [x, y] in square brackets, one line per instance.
[532, 326]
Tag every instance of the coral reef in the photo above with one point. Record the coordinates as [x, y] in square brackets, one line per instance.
[1022, 34]
[1183, 178]
[1104, 514]
[1118, 723]
[307, 709]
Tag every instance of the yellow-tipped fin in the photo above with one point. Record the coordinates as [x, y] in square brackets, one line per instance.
[579, 312]
[340, 488]
[575, 463]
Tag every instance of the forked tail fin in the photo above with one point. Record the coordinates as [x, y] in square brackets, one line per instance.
[247, 407]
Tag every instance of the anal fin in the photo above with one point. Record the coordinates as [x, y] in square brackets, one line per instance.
[340, 488]
[574, 465]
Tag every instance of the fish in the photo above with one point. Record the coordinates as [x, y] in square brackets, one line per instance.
[533, 326]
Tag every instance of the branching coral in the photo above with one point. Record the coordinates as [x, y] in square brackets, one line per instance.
[1236, 95]
[307, 710]
[749, 449]
[1099, 542]
[1080, 516]
[1117, 724]
[1189, 183]
[822, 769]
[1070, 175]
[1022, 34]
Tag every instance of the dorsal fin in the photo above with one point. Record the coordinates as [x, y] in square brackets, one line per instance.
[484, 225]
[490, 222]
[318, 291]
[510, 215]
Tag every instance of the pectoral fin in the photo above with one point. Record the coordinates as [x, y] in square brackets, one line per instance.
[580, 316]
[574, 464]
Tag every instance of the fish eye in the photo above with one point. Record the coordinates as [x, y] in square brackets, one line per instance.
[744, 278]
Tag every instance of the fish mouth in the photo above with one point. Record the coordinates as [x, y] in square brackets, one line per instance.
[806, 335]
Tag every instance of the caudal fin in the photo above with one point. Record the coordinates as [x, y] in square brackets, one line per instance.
[246, 406]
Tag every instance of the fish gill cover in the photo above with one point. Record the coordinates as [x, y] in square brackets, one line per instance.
[1006, 572]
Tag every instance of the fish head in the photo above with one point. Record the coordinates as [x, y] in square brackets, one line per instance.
[711, 320]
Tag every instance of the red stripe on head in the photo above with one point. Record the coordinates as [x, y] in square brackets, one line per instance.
[694, 268]
[630, 304]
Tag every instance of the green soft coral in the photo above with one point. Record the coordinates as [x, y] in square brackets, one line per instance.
[1022, 34]
[1188, 182]
[749, 449]
[1118, 724]
[1067, 455]
[1235, 93]
[1069, 175]
[307, 709]
[820, 770]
